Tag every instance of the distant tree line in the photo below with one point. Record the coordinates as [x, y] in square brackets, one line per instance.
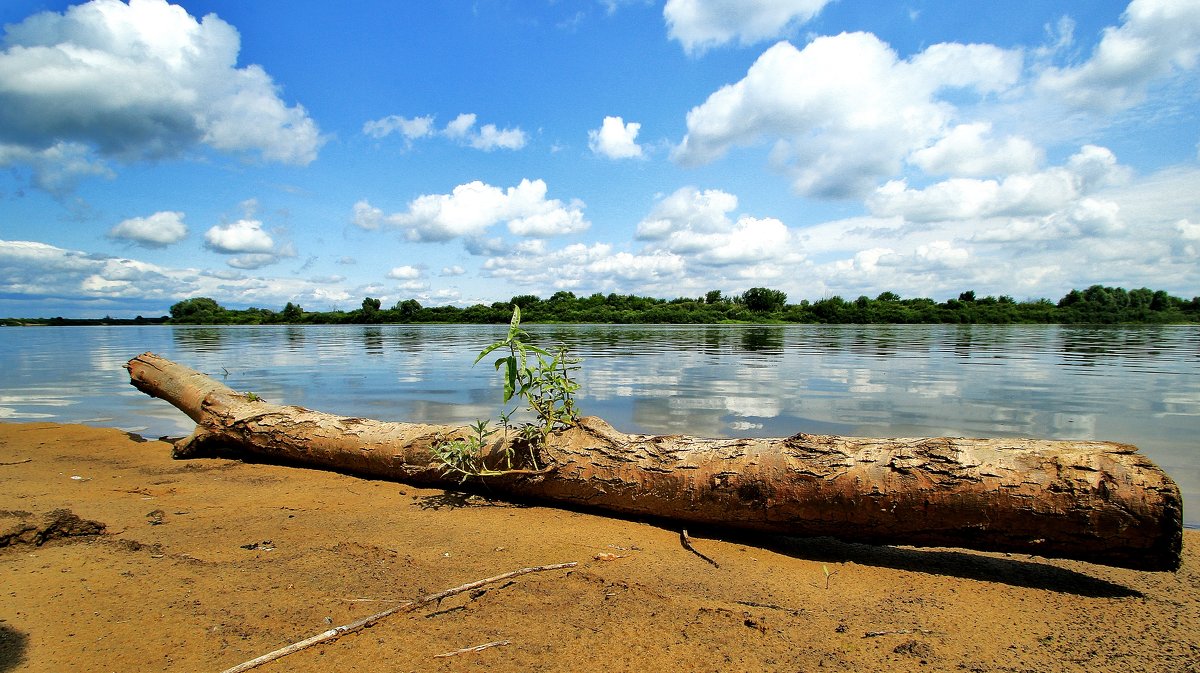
[60, 321]
[1095, 305]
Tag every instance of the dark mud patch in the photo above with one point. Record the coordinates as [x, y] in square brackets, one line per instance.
[60, 523]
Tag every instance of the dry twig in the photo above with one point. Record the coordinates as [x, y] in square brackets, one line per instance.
[897, 632]
[18, 462]
[477, 648]
[687, 544]
[338, 631]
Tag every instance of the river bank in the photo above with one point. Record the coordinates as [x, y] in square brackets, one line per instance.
[202, 564]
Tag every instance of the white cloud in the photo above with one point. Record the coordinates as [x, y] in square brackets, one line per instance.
[982, 67]
[702, 24]
[250, 245]
[406, 272]
[473, 208]
[137, 81]
[411, 129]
[243, 236]
[36, 269]
[1156, 38]
[490, 138]
[487, 138]
[580, 266]
[1022, 194]
[156, 231]
[943, 254]
[688, 208]
[967, 151]
[254, 260]
[695, 225]
[455, 270]
[615, 139]
[413, 286]
[57, 169]
[460, 126]
[39, 269]
[844, 111]
[366, 216]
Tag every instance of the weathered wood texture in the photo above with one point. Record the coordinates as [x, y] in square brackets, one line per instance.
[1094, 501]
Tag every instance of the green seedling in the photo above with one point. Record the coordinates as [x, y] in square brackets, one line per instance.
[543, 380]
[828, 575]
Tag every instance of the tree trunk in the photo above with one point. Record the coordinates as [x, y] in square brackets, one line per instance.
[1094, 501]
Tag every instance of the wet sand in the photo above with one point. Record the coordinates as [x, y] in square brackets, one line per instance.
[146, 563]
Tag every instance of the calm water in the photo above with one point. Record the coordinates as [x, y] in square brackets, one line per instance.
[1137, 385]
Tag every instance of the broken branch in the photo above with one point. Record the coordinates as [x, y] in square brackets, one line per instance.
[339, 631]
[687, 544]
[477, 648]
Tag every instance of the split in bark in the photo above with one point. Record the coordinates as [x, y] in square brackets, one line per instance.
[1094, 501]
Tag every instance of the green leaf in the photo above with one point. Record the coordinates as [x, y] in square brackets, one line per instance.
[487, 350]
[510, 380]
[514, 325]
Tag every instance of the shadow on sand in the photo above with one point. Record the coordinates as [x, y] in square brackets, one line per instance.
[13, 644]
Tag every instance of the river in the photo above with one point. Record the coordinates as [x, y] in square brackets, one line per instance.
[1139, 385]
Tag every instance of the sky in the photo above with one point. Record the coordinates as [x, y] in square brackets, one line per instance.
[456, 153]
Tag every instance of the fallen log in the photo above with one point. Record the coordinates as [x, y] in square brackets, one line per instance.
[1100, 502]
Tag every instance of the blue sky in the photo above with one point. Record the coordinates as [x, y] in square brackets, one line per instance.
[463, 152]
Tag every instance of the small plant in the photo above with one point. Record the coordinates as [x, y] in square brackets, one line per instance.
[828, 575]
[544, 380]
[464, 456]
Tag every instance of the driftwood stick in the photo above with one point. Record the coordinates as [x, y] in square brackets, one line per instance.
[477, 648]
[687, 544]
[338, 631]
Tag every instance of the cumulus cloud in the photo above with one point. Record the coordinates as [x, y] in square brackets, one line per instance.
[844, 111]
[156, 231]
[942, 254]
[410, 129]
[35, 270]
[40, 269]
[487, 138]
[579, 266]
[455, 270]
[1022, 194]
[1156, 38]
[406, 272]
[135, 81]
[968, 151]
[366, 216]
[250, 245]
[695, 224]
[461, 129]
[615, 139]
[702, 24]
[471, 209]
[688, 208]
[57, 169]
[243, 236]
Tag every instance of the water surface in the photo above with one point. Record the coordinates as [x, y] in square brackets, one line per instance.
[1139, 385]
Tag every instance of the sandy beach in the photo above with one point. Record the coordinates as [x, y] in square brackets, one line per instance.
[118, 558]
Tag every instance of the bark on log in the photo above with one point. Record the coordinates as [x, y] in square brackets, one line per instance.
[1093, 501]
